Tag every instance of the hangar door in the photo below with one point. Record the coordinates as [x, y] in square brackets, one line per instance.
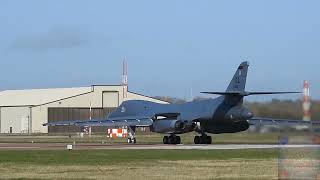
[71, 114]
[110, 99]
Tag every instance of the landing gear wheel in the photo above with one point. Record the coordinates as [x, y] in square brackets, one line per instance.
[178, 140]
[171, 140]
[197, 140]
[132, 141]
[165, 140]
[209, 140]
[204, 139]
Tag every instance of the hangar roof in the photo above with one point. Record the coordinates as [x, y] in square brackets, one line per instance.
[34, 97]
[31, 97]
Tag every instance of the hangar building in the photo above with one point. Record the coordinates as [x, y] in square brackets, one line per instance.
[24, 111]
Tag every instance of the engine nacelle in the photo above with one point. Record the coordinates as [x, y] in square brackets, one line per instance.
[227, 127]
[167, 126]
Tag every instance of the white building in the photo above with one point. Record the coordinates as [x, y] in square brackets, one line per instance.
[24, 111]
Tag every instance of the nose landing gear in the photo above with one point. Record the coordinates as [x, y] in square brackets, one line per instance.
[172, 139]
[132, 135]
[203, 139]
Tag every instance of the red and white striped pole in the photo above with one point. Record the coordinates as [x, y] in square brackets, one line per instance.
[306, 104]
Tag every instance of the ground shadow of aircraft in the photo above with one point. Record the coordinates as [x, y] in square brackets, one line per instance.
[224, 114]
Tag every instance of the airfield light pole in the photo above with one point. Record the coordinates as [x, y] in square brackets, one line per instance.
[306, 104]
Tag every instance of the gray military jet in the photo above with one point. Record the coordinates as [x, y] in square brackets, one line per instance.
[224, 114]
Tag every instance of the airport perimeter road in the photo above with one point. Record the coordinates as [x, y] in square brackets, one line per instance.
[62, 146]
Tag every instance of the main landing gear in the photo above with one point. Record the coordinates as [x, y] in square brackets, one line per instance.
[203, 139]
[172, 139]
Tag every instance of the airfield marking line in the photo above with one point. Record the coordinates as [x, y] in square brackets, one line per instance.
[223, 147]
[17, 147]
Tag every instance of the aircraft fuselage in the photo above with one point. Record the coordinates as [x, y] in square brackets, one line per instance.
[212, 116]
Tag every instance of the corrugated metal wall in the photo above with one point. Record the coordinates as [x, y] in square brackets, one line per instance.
[110, 99]
[15, 120]
[69, 114]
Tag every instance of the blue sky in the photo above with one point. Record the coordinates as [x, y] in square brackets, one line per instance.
[171, 46]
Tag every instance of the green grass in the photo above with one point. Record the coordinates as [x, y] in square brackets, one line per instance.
[88, 157]
[151, 164]
[139, 164]
[146, 164]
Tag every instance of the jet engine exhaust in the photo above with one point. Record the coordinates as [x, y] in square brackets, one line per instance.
[168, 126]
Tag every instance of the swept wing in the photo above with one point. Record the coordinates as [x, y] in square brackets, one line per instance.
[138, 121]
[285, 122]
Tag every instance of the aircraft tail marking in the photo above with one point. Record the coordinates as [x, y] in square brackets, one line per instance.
[238, 82]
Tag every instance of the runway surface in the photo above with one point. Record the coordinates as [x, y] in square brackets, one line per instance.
[63, 146]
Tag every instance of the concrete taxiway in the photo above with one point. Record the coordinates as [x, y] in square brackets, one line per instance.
[62, 146]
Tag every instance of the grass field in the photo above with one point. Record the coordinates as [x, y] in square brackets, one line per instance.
[139, 164]
[154, 164]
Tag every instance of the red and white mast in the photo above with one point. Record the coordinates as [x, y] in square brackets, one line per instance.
[306, 104]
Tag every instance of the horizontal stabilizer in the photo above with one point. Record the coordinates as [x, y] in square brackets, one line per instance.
[245, 93]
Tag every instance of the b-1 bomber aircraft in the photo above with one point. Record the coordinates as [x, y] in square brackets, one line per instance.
[224, 114]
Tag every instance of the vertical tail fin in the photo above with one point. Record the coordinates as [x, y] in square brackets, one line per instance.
[237, 85]
[238, 82]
